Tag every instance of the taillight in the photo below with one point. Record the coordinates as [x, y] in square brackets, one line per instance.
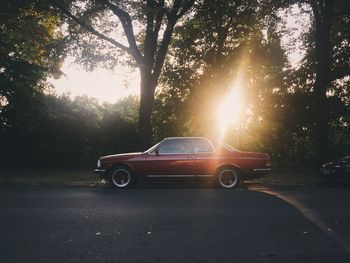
[268, 162]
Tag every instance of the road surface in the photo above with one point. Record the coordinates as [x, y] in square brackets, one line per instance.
[174, 224]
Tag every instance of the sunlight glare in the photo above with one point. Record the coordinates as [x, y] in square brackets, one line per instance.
[229, 111]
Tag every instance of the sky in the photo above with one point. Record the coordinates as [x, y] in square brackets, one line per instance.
[102, 84]
[108, 86]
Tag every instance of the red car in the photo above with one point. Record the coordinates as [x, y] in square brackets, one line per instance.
[179, 157]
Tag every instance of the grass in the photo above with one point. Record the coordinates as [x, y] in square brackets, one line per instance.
[293, 178]
[52, 177]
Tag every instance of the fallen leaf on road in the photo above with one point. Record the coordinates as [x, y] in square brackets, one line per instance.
[271, 254]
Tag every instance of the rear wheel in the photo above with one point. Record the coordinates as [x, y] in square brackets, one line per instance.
[121, 177]
[228, 178]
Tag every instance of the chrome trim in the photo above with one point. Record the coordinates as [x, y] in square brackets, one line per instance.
[171, 175]
[174, 154]
[262, 170]
[99, 171]
[179, 175]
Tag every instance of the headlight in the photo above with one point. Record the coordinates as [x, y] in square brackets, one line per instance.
[98, 163]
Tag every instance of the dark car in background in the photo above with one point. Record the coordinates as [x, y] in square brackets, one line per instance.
[337, 169]
[184, 157]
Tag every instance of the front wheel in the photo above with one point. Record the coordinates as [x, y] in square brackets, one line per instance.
[228, 178]
[121, 177]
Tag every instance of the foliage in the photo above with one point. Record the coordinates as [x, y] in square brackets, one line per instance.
[71, 133]
[219, 45]
[30, 50]
[222, 42]
[324, 72]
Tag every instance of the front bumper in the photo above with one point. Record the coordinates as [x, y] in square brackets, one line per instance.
[100, 171]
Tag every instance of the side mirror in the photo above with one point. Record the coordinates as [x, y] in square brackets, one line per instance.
[156, 151]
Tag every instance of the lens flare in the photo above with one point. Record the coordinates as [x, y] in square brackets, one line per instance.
[229, 111]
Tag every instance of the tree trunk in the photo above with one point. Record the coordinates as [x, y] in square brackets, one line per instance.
[323, 71]
[147, 88]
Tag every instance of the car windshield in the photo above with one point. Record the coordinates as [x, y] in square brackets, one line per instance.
[152, 148]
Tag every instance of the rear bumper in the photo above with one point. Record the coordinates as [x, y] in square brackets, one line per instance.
[260, 172]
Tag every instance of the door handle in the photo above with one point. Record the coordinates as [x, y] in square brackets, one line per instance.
[189, 157]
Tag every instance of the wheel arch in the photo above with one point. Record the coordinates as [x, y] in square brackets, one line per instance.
[241, 172]
[118, 164]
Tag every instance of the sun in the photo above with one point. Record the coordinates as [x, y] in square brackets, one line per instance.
[229, 111]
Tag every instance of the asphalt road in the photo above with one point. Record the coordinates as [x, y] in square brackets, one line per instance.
[173, 224]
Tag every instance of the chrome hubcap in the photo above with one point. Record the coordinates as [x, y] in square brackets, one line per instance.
[121, 177]
[228, 178]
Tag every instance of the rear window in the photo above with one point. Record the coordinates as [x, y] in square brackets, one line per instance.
[202, 146]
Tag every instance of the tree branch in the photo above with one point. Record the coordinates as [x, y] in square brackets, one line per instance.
[89, 28]
[172, 16]
[315, 10]
[159, 17]
[172, 13]
[187, 6]
[126, 21]
[150, 13]
[162, 52]
[155, 16]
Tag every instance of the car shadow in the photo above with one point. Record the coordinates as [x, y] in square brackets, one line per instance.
[175, 185]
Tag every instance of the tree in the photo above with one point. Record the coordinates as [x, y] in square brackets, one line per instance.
[30, 51]
[326, 63]
[223, 40]
[159, 17]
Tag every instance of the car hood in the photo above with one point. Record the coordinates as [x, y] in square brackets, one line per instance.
[121, 155]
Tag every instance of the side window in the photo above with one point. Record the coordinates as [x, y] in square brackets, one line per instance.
[202, 145]
[180, 146]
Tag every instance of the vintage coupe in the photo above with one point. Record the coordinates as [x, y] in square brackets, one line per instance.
[184, 157]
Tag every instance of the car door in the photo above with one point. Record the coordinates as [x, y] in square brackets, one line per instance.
[206, 160]
[173, 158]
